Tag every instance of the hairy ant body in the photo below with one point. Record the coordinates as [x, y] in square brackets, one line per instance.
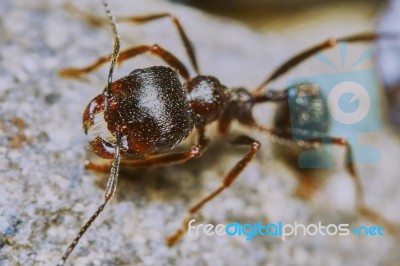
[140, 118]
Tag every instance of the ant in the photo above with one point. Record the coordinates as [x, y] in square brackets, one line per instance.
[137, 120]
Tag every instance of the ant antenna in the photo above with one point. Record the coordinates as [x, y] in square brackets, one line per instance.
[113, 177]
[116, 45]
[111, 187]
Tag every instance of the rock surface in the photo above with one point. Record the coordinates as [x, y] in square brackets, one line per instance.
[46, 195]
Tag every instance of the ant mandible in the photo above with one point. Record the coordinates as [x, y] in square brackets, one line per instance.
[140, 118]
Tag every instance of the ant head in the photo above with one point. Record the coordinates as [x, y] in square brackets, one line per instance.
[148, 109]
[207, 98]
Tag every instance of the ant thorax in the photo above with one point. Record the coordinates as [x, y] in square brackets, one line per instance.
[207, 98]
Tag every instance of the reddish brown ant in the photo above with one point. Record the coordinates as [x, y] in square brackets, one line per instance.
[140, 118]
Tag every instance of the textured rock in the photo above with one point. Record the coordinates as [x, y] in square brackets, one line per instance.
[46, 195]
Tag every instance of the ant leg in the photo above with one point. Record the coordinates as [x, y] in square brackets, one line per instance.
[361, 207]
[227, 181]
[142, 19]
[224, 123]
[155, 49]
[288, 136]
[364, 211]
[378, 219]
[158, 160]
[349, 166]
[330, 43]
[185, 40]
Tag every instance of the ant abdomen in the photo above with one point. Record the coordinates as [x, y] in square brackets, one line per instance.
[149, 110]
[305, 111]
